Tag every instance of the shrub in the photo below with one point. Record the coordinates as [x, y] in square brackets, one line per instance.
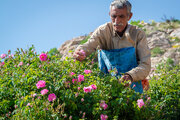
[156, 51]
[69, 89]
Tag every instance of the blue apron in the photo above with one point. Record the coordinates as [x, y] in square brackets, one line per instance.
[123, 60]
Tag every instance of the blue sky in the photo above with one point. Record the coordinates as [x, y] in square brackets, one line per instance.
[49, 23]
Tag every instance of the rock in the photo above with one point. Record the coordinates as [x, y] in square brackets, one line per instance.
[66, 50]
[158, 39]
[175, 33]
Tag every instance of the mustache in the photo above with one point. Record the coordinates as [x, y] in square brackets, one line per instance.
[120, 24]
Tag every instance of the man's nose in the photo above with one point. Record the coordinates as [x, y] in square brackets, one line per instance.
[117, 20]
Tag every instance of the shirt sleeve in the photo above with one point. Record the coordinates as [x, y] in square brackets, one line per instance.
[93, 42]
[144, 58]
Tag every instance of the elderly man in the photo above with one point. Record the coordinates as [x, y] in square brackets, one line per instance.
[120, 41]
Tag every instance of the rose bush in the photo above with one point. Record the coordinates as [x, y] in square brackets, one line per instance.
[45, 87]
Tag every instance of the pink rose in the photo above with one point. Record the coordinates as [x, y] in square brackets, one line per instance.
[73, 80]
[72, 73]
[103, 105]
[51, 97]
[1, 64]
[20, 64]
[140, 103]
[87, 89]
[44, 91]
[80, 78]
[82, 99]
[82, 52]
[87, 71]
[104, 117]
[79, 88]
[3, 56]
[94, 87]
[43, 57]
[41, 84]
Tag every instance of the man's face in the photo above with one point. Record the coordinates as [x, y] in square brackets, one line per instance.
[119, 18]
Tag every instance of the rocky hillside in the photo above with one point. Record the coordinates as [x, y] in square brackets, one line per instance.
[163, 40]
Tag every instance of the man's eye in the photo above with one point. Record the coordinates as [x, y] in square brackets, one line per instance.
[113, 16]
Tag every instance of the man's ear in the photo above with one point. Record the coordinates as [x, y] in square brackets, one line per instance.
[130, 16]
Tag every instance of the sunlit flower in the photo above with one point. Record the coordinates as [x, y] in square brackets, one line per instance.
[20, 64]
[87, 89]
[82, 99]
[103, 105]
[103, 117]
[3, 56]
[94, 87]
[51, 97]
[140, 103]
[82, 52]
[43, 57]
[1, 64]
[80, 78]
[87, 71]
[44, 91]
[41, 84]
[73, 80]
[72, 73]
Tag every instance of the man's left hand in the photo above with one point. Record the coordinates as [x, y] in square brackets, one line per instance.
[126, 77]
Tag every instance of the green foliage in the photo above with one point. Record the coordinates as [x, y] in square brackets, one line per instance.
[165, 92]
[137, 23]
[21, 99]
[85, 40]
[156, 51]
[53, 51]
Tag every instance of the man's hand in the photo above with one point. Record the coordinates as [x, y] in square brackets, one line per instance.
[79, 55]
[126, 77]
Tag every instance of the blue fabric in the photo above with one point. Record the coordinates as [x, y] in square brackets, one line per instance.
[122, 60]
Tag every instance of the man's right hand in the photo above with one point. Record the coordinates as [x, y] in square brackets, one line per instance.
[79, 55]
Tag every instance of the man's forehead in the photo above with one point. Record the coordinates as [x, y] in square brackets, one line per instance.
[118, 10]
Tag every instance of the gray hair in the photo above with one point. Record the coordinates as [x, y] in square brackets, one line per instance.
[121, 4]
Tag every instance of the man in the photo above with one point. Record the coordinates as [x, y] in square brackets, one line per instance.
[119, 34]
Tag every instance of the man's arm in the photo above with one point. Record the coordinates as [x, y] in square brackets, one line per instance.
[144, 56]
[90, 46]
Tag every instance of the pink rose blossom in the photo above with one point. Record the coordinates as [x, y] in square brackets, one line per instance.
[80, 78]
[43, 57]
[140, 103]
[41, 84]
[82, 99]
[94, 87]
[79, 88]
[87, 71]
[72, 73]
[15, 106]
[1, 64]
[82, 52]
[70, 117]
[76, 95]
[74, 80]
[28, 104]
[3, 56]
[34, 95]
[44, 91]
[103, 105]
[87, 89]
[20, 64]
[104, 117]
[51, 97]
